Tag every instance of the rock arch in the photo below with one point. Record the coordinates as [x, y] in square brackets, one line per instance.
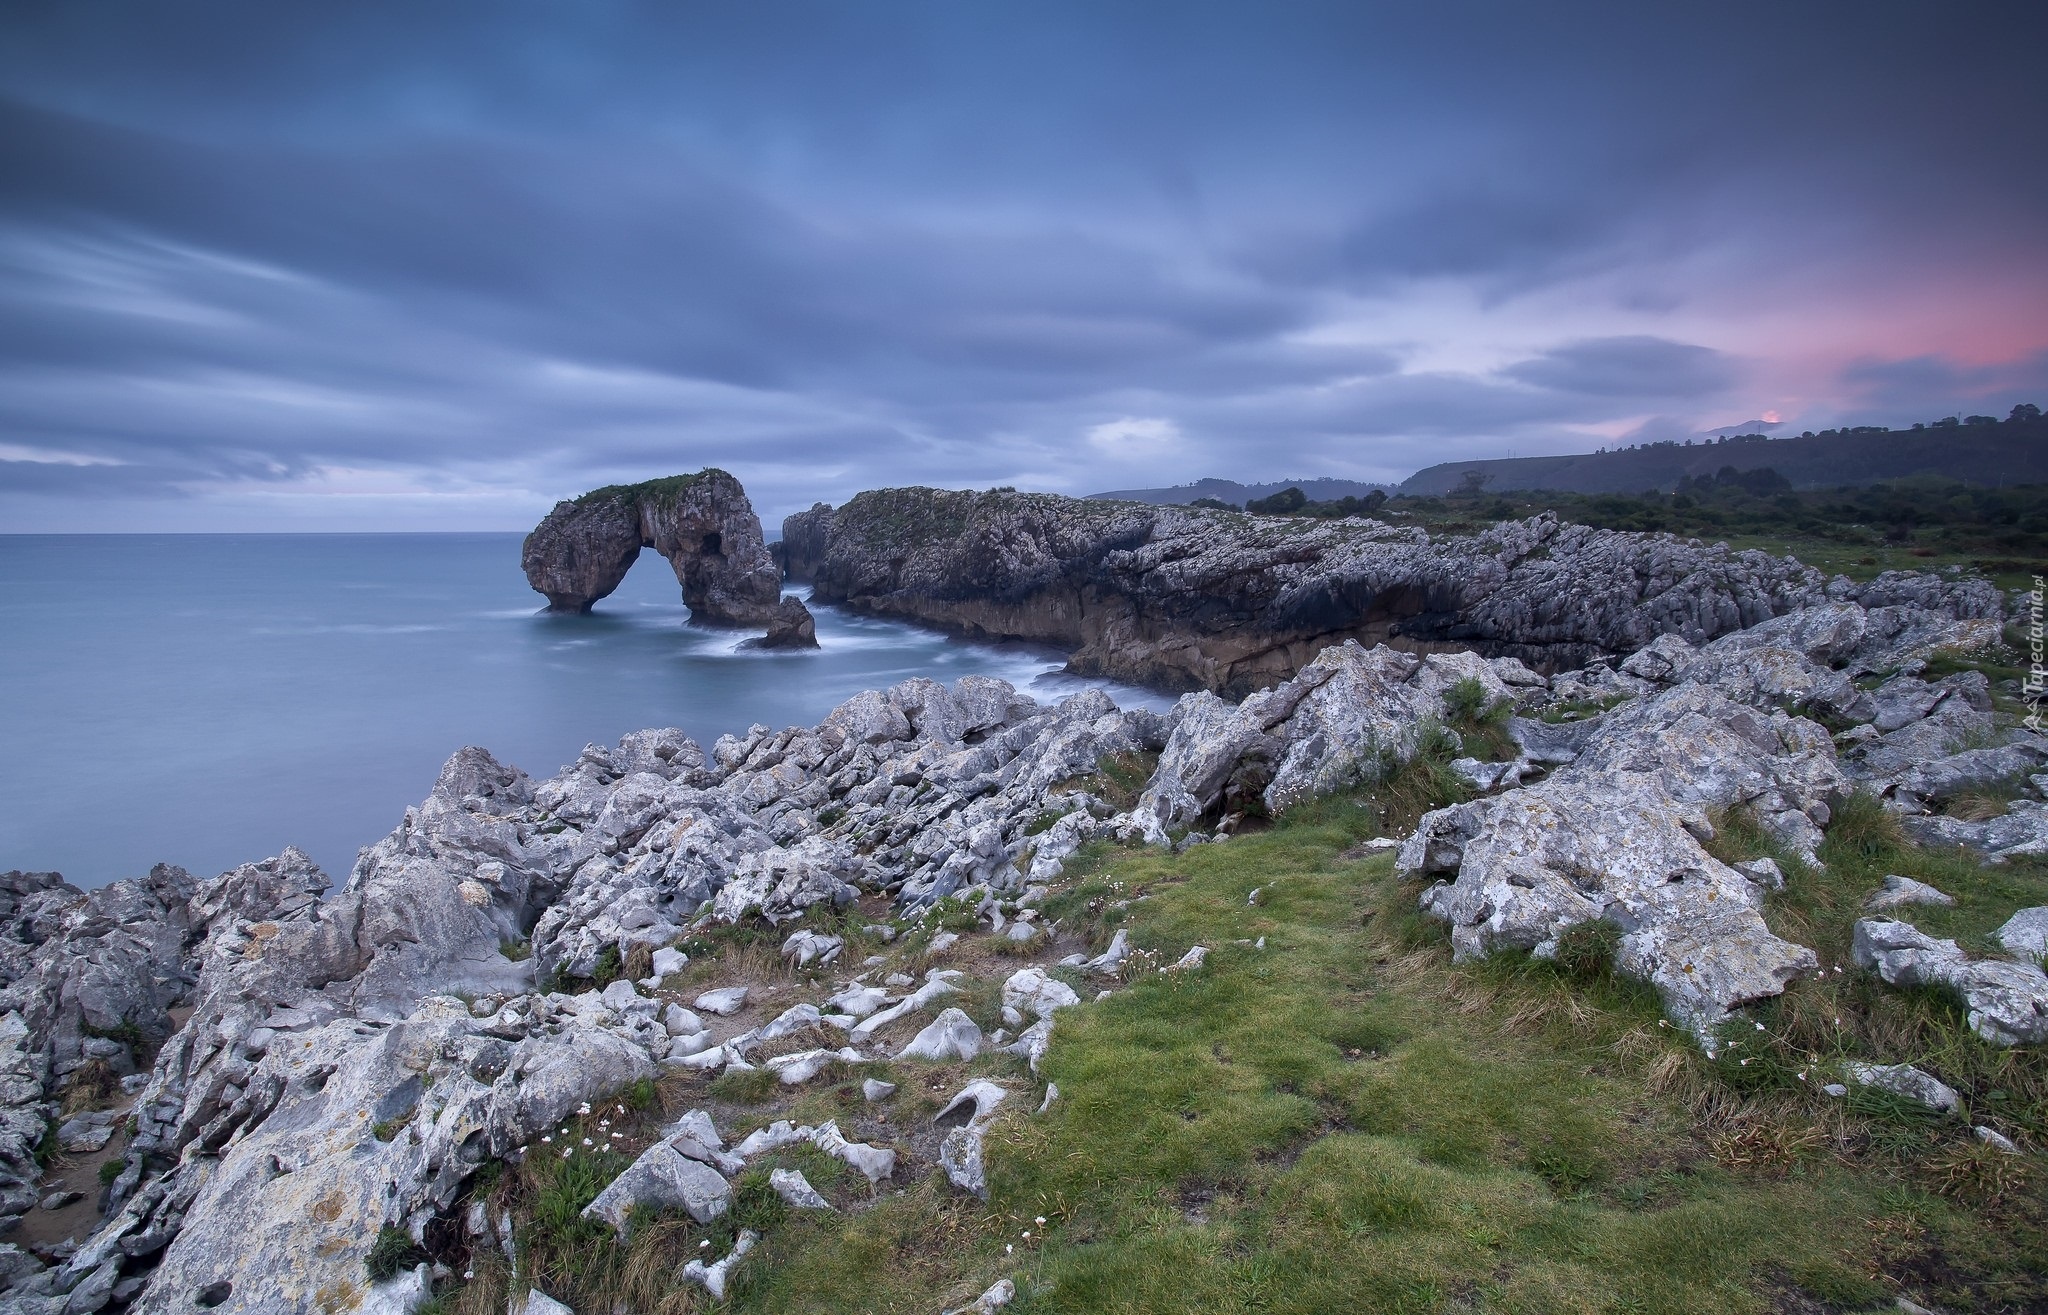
[702, 523]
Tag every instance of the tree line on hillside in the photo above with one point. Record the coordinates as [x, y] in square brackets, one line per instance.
[1930, 514]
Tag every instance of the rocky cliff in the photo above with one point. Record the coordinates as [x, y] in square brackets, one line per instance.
[315, 1076]
[703, 524]
[1192, 598]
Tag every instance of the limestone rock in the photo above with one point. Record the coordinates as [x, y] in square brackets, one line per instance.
[1904, 1080]
[968, 1115]
[1898, 892]
[1180, 595]
[2026, 933]
[999, 1294]
[2021, 832]
[795, 1189]
[791, 626]
[2007, 1002]
[1614, 836]
[702, 523]
[1031, 990]
[715, 1277]
[662, 1179]
[952, 1035]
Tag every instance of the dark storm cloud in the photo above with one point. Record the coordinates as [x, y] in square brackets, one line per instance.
[1945, 386]
[516, 249]
[1634, 366]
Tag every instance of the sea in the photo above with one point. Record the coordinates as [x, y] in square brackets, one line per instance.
[206, 700]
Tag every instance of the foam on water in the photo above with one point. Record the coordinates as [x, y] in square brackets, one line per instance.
[208, 699]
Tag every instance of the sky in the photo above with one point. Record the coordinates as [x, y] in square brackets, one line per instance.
[363, 266]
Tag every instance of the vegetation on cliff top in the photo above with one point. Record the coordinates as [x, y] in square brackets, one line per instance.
[1343, 1119]
[662, 492]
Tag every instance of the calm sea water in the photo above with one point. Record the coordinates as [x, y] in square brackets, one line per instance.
[207, 700]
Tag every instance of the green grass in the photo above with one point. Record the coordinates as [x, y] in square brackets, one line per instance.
[1345, 1120]
[1481, 725]
[662, 492]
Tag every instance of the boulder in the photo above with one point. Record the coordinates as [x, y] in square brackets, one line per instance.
[2007, 1002]
[796, 1190]
[662, 1179]
[1898, 892]
[1904, 1080]
[952, 1035]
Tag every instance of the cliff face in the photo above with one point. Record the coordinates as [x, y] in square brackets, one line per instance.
[703, 524]
[1193, 598]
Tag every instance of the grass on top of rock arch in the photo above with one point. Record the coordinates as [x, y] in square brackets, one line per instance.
[1343, 1120]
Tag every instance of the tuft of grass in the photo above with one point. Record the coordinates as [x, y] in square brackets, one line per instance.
[1482, 726]
[392, 1254]
[93, 1086]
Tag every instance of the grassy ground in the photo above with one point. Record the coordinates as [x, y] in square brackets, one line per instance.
[1344, 1120]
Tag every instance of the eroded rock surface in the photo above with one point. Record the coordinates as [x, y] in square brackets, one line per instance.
[703, 524]
[1214, 600]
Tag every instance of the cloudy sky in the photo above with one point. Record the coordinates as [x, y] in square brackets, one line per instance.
[363, 266]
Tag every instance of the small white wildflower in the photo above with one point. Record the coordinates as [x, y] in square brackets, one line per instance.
[586, 1141]
[1009, 1250]
[1040, 1220]
[1027, 1235]
[548, 1138]
[568, 1151]
[1759, 1027]
[1745, 1063]
[705, 1243]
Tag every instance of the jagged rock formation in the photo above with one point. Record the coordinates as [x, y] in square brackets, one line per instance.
[350, 1063]
[702, 523]
[1201, 599]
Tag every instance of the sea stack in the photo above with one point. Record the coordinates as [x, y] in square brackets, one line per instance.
[703, 524]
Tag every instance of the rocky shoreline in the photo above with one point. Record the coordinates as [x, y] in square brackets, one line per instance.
[1193, 598]
[295, 1075]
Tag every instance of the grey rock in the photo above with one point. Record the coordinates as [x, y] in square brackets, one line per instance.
[807, 947]
[874, 1089]
[1898, 892]
[1763, 872]
[1185, 596]
[796, 1190]
[2021, 832]
[968, 1116]
[950, 1036]
[59, 1199]
[1033, 991]
[2007, 1002]
[2026, 933]
[1995, 1139]
[715, 1277]
[540, 1303]
[790, 626]
[874, 1162]
[706, 529]
[999, 1294]
[795, 1069]
[1904, 1080]
[1614, 835]
[723, 1001]
[662, 1179]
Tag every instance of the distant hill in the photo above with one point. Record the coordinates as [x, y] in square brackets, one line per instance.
[1230, 491]
[1988, 452]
